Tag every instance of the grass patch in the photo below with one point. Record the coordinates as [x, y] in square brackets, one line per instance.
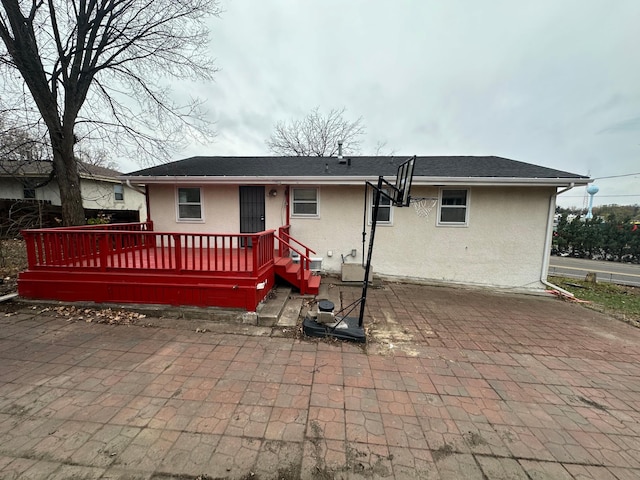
[620, 300]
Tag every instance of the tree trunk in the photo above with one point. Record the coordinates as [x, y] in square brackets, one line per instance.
[66, 170]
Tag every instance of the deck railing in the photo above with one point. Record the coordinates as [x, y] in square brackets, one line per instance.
[129, 227]
[288, 244]
[120, 247]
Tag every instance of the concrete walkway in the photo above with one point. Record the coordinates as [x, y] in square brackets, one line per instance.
[454, 384]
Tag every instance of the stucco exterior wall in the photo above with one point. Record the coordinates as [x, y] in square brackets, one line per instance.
[503, 244]
[220, 209]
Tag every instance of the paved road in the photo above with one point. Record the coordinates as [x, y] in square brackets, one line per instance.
[621, 273]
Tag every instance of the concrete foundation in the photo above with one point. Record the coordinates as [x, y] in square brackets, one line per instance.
[354, 272]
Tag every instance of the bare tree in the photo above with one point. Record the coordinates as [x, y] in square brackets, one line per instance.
[382, 150]
[98, 157]
[317, 135]
[87, 70]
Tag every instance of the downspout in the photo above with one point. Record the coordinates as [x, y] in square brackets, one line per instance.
[547, 244]
[146, 196]
[146, 199]
[286, 202]
[130, 185]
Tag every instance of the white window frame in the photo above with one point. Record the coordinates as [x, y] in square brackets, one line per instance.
[293, 202]
[178, 204]
[115, 192]
[466, 207]
[372, 199]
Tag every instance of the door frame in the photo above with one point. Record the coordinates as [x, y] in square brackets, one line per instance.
[252, 208]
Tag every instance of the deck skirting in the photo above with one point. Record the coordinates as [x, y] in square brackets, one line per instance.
[226, 291]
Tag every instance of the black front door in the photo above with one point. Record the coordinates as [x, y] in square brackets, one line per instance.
[251, 209]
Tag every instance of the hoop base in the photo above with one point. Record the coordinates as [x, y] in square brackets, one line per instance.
[348, 329]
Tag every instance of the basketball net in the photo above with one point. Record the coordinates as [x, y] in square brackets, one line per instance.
[424, 206]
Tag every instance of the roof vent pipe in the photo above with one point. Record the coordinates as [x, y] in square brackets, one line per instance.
[340, 158]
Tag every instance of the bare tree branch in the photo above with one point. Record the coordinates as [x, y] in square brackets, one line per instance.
[381, 149]
[96, 70]
[317, 135]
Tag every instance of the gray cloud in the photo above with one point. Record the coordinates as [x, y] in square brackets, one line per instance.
[630, 125]
[545, 82]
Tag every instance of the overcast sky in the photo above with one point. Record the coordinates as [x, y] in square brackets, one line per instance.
[549, 82]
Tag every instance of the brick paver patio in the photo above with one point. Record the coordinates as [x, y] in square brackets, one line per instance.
[455, 384]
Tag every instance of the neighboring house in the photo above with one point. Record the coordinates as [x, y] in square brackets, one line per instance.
[102, 190]
[473, 220]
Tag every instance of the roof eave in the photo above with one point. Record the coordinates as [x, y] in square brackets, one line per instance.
[82, 175]
[353, 180]
[99, 178]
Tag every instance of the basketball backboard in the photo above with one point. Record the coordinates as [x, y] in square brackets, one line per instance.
[403, 182]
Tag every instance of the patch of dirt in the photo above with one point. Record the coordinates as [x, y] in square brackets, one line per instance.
[358, 463]
[474, 439]
[13, 260]
[591, 403]
[442, 452]
[17, 410]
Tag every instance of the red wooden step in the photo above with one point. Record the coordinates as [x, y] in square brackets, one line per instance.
[292, 273]
[313, 285]
[282, 261]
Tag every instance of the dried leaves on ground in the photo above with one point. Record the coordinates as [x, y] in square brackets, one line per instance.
[90, 315]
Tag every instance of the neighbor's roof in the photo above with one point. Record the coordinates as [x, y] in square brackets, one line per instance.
[42, 168]
[328, 170]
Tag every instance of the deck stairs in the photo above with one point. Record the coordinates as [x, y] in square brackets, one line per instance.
[280, 308]
[291, 272]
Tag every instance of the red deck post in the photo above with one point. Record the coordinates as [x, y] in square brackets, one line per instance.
[255, 239]
[103, 241]
[178, 252]
[31, 247]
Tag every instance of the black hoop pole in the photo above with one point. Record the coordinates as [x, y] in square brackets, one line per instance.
[364, 218]
[374, 221]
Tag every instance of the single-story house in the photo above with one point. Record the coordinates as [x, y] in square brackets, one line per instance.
[102, 190]
[473, 220]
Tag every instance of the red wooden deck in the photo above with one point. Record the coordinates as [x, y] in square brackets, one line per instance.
[131, 263]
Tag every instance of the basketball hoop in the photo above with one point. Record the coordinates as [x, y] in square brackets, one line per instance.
[424, 205]
[404, 177]
[399, 195]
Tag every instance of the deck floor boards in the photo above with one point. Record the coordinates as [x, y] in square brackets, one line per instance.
[192, 259]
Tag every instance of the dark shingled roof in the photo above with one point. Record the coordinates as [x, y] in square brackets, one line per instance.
[362, 166]
[42, 168]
